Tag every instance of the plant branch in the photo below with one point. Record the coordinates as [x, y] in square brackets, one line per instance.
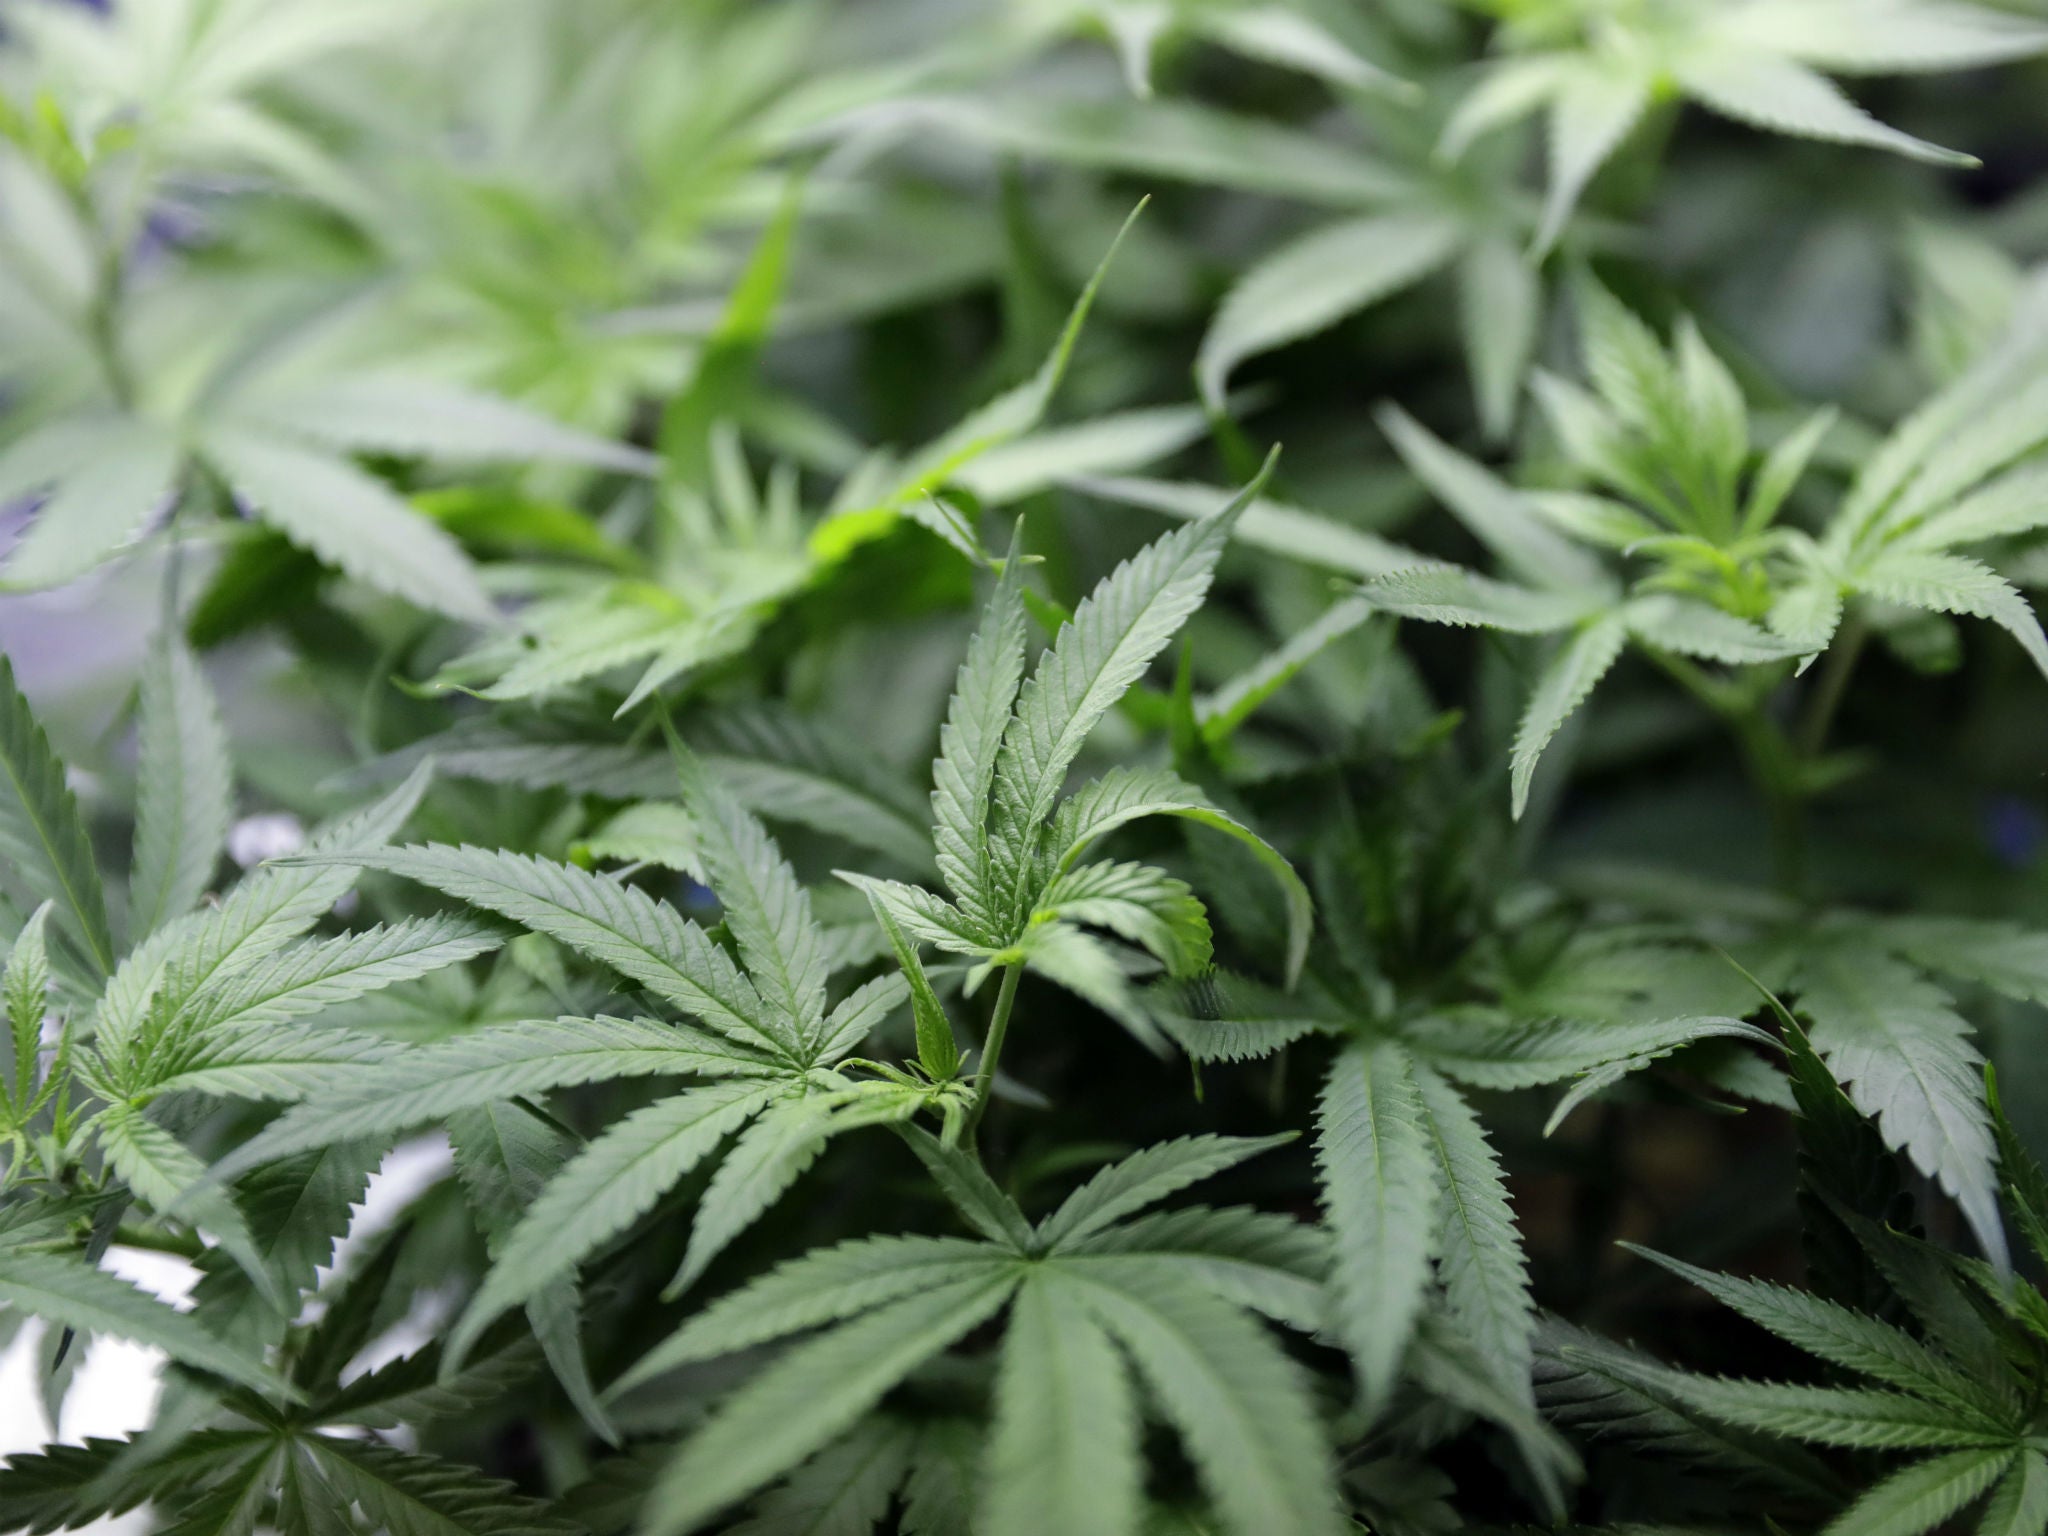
[1832, 685]
[1771, 760]
[992, 1048]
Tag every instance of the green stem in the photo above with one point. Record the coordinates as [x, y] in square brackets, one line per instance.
[992, 1048]
[1831, 686]
[1771, 760]
[1773, 767]
[103, 321]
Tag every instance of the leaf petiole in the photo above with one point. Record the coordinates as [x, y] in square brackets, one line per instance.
[992, 1050]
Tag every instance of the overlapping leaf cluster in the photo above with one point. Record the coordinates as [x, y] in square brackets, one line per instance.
[674, 787]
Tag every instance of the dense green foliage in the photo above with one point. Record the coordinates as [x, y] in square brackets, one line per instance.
[810, 739]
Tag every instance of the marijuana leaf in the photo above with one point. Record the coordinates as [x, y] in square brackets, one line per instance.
[1087, 1299]
[1597, 73]
[1971, 1412]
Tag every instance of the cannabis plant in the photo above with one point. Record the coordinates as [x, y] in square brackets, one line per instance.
[698, 835]
[1946, 1379]
[1596, 68]
[115, 1045]
[1706, 571]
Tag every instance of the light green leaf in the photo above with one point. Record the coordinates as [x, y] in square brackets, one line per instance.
[1377, 1162]
[855, 1015]
[408, 1495]
[601, 1192]
[1782, 96]
[1319, 279]
[306, 978]
[1782, 467]
[1946, 429]
[2004, 430]
[266, 1062]
[984, 693]
[409, 417]
[1500, 305]
[77, 1295]
[2019, 1505]
[651, 832]
[1953, 584]
[1002, 420]
[1847, 37]
[1124, 795]
[1240, 1404]
[1571, 676]
[1485, 1277]
[27, 1004]
[1222, 712]
[1134, 28]
[165, 1175]
[821, 1287]
[1138, 903]
[1064, 1452]
[1272, 1264]
[2013, 504]
[1117, 443]
[613, 923]
[1093, 661]
[769, 1156]
[42, 835]
[1694, 628]
[2005, 956]
[968, 1188]
[1714, 404]
[1144, 1178]
[809, 1396]
[1853, 1417]
[937, 1050]
[97, 508]
[766, 908]
[26, 988]
[1493, 512]
[1636, 381]
[1501, 1053]
[785, 768]
[1225, 1017]
[46, 454]
[351, 521]
[1920, 1497]
[184, 783]
[1833, 1333]
[145, 1011]
[488, 1065]
[924, 917]
[1808, 612]
[1093, 971]
[1448, 594]
[1595, 106]
[1904, 1055]
[844, 1490]
[1511, 89]
[575, 642]
[1280, 35]
[1181, 140]
[1274, 526]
